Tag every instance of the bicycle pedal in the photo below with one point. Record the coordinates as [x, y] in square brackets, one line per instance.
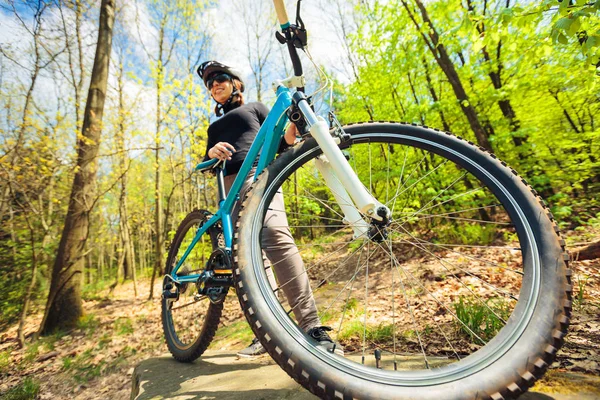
[223, 271]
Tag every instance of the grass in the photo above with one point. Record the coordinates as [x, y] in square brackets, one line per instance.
[481, 318]
[352, 303]
[480, 234]
[580, 289]
[123, 326]
[93, 292]
[83, 367]
[4, 361]
[88, 323]
[26, 390]
[86, 366]
[234, 333]
[355, 329]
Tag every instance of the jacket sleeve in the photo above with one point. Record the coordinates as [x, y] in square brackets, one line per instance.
[209, 144]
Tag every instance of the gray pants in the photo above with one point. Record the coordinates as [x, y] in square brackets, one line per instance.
[280, 249]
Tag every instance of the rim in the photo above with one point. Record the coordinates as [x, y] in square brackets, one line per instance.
[463, 365]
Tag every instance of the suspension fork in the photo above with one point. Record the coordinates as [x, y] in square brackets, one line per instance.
[344, 182]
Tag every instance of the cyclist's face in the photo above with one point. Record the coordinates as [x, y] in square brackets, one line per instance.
[221, 90]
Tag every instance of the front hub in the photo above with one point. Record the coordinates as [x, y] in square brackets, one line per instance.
[378, 229]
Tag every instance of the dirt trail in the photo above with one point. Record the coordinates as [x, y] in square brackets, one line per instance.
[97, 360]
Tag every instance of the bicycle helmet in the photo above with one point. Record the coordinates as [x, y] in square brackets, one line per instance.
[209, 68]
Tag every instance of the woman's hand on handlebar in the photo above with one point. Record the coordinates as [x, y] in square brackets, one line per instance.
[222, 150]
[290, 134]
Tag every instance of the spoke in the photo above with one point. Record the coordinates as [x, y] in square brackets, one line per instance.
[305, 215]
[422, 242]
[398, 193]
[459, 211]
[387, 177]
[438, 195]
[332, 202]
[447, 247]
[341, 264]
[393, 307]
[324, 203]
[298, 252]
[442, 263]
[306, 226]
[419, 180]
[309, 245]
[481, 221]
[370, 169]
[188, 304]
[344, 244]
[452, 198]
[351, 281]
[412, 315]
[420, 297]
[407, 273]
[366, 303]
[509, 295]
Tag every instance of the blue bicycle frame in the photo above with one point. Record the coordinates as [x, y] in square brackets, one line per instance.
[265, 147]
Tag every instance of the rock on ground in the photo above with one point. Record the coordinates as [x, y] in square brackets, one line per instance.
[222, 375]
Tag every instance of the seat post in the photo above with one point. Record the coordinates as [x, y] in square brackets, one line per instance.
[220, 183]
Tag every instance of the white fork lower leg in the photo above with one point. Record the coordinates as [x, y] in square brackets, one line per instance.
[360, 196]
[351, 215]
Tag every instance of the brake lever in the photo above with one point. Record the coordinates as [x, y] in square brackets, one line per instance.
[299, 21]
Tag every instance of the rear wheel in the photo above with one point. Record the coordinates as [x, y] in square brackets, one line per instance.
[189, 320]
[466, 294]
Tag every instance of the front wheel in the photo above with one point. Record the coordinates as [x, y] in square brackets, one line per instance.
[464, 295]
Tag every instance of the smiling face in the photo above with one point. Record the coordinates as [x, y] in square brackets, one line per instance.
[221, 91]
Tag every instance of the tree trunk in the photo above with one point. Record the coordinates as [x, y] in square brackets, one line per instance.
[443, 59]
[64, 307]
[34, 267]
[434, 95]
[124, 228]
[158, 211]
[588, 252]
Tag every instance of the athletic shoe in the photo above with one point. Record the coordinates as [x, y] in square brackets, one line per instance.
[255, 349]
[319, 333]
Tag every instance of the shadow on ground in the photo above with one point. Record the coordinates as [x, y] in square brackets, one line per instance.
[221, 375]
[217, 375]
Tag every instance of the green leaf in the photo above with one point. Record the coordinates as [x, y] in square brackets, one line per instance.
[574, 28]
[507, 15]
[563, 23]
[562, 38]
[590, 44]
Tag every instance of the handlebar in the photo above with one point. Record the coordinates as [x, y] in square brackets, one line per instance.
[293, 36]
[282, 16]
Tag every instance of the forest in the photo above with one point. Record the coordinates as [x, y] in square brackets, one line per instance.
[103, 119]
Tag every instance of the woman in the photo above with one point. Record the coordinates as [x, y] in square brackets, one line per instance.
[229, 139]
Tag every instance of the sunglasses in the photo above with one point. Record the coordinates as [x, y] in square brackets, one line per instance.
[217, 78]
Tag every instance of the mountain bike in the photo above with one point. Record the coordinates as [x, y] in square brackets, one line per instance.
[440, 271]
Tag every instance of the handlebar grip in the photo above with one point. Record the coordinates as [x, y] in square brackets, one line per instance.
[281, 13]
